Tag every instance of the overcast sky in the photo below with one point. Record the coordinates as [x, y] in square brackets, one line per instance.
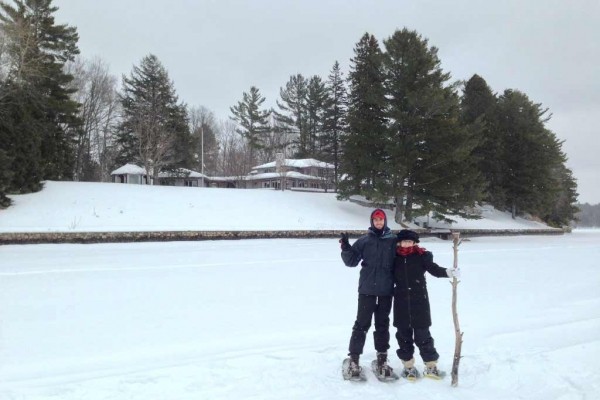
[216, 49]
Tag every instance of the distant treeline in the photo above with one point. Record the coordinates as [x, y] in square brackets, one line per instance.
[588, 216]
[394, 127]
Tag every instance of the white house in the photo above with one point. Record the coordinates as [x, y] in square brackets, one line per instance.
[130, 173]
[306, 173]
[183, 177]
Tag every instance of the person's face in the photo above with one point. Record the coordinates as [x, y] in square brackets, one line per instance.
[407, 243]
[378, 223]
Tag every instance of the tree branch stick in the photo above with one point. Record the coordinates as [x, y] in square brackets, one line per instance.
[458, 333]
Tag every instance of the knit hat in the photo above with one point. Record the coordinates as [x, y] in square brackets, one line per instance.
[378, 214]
[406, 234]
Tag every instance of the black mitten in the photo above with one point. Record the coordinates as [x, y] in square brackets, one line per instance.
[344, 243]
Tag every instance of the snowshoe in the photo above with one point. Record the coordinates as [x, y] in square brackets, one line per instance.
[433, 373]
[383, 371]
[410, 374]
[351, 371]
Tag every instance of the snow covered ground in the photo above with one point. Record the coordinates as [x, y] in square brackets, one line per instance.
[271, 319]
[94, 207]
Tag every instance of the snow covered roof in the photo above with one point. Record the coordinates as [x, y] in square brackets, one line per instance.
[129, 169]
[181, 173]
[304, 163]
[288, 174]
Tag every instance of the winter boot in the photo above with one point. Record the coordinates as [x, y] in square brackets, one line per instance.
[354, 369]
[383, 369]
[431, 370]
[410, 372]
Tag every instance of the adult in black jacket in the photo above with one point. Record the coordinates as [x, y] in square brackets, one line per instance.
[375, 290]
[412, 314]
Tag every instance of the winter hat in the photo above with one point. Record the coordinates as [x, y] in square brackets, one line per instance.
[378, 214]
[406, 234]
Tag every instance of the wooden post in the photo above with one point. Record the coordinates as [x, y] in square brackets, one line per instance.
[458, 344]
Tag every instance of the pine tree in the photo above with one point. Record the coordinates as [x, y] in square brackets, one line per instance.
[530, 154]
[293, 115]
[154, 131]
[477, 111]
[253, 122]
[429, 162]
[334, 124]
[5, 178]
[316, 97]
[364, 145]
[38, 116]
[563, 210]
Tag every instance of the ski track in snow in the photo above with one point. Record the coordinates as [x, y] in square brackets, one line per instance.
[281, 329]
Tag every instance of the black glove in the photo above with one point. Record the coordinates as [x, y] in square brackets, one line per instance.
[345, 244]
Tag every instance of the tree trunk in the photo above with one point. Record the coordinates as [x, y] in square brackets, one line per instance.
[399, 213]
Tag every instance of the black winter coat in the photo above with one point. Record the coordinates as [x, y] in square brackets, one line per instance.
[377, 255]
[411, 301]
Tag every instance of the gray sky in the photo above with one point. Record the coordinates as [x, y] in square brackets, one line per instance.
[216, 49]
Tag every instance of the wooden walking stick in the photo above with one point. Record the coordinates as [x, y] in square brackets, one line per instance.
[458, 333]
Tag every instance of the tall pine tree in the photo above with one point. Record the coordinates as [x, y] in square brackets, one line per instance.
[316, 97]
[364, 145]
[252, 121]
[154, 131]
[530, 154]
[38, 117]
[429, 166]
[477, 109]
[292, 116]
[334, 124]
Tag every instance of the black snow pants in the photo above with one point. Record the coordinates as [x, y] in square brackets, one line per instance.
[407, 338]
[369, 305]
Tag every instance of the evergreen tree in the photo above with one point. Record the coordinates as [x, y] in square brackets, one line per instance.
[563, 210]
[38, 116]
[292, 117]
[5, 178]
[334, 119]
[183, 148]
[316, 97]
[429, 162]
[530, 155]
[20, 139]
[364, 145]
[477, 111]
[154, 131]
[253, 122]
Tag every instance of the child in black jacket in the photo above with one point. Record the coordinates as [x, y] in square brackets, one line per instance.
[412, 315]
[375, 290]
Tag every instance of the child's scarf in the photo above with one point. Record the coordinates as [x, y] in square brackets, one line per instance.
[407, 251]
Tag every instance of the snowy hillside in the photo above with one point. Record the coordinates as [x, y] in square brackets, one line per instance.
[93, 207]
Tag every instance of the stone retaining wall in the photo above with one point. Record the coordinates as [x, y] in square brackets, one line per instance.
[124, 237]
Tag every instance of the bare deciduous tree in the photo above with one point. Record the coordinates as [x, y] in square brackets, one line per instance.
[204, 130]
[97, 94]
[154, 145]
[235, 154]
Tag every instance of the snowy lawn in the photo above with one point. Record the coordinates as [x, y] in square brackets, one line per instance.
[271, 319]
[111, 207]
